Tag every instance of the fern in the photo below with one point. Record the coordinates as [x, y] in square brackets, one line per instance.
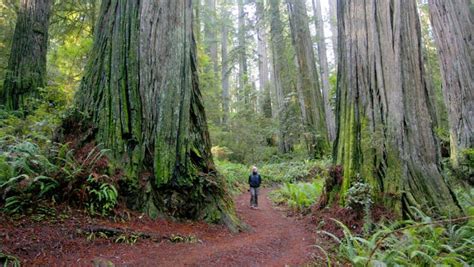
[425, 243]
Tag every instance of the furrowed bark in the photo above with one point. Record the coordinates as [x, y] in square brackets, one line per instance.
[26, 71]
[141, 90]
[384, 122]
[453, 27]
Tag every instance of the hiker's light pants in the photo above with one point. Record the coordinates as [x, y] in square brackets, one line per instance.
[253, 196]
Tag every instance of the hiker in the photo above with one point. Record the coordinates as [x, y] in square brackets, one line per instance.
[254, 181]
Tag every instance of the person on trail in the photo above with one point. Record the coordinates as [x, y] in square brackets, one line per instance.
[254, 181]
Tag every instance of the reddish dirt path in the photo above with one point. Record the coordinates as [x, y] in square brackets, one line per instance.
[275, 240]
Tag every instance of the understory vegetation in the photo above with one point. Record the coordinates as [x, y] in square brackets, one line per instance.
[37, 173]
[425, 242]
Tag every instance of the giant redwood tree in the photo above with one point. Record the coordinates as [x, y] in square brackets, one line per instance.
[453, 25]
[26, 71]
[141, 92]
[384, 120]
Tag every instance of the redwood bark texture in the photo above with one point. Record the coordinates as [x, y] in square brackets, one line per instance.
[26, 71]
[384, 121]
[141, 90]
[453, 27]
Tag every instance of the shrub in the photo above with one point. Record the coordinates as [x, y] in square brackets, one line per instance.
[358, 196]
[298, 197]
[31, 176]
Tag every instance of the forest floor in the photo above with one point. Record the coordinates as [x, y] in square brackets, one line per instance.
[274, 239]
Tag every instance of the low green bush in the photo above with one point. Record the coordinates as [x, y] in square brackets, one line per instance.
[298, 197]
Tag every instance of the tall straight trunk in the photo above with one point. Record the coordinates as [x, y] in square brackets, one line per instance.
[453, 25]
[141, 91]
[316, 130]
[324, 68]
[210, 34]
[243, 67]
[281, 76]
[26, 71]
[385, 132]
[197, 20]
[333, 25]
[273, 99]
[224, 64]
[263, 106]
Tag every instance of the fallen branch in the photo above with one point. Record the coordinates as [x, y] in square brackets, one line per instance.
[111, 231]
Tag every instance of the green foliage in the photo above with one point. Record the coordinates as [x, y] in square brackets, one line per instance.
[293, 171]
[465, 170]
[409, 243]
[287, 172]
[9, 260]
[236, 175]
[358, 196]
[300, 196]
[31, 176]
[176, 238]
[102, 197]
[247, 138]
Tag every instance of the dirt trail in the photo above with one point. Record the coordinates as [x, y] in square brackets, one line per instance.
[275, 240]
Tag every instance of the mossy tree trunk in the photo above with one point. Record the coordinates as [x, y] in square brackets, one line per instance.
[453, 25]
[142, 92]
[26, 71]
[312, 103]
[384, 116]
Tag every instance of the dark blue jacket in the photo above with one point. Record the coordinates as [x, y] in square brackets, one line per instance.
[255, 180]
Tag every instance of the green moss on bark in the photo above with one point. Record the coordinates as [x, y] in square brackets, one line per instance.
[141, 91]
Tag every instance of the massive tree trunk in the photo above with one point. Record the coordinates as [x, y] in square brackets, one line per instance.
[453, 25]
[264, 104]
[141, 91]
[384, 122]
[26, 71]
[283, 86]
[315, 120]
[225, 66]
[324, 67]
